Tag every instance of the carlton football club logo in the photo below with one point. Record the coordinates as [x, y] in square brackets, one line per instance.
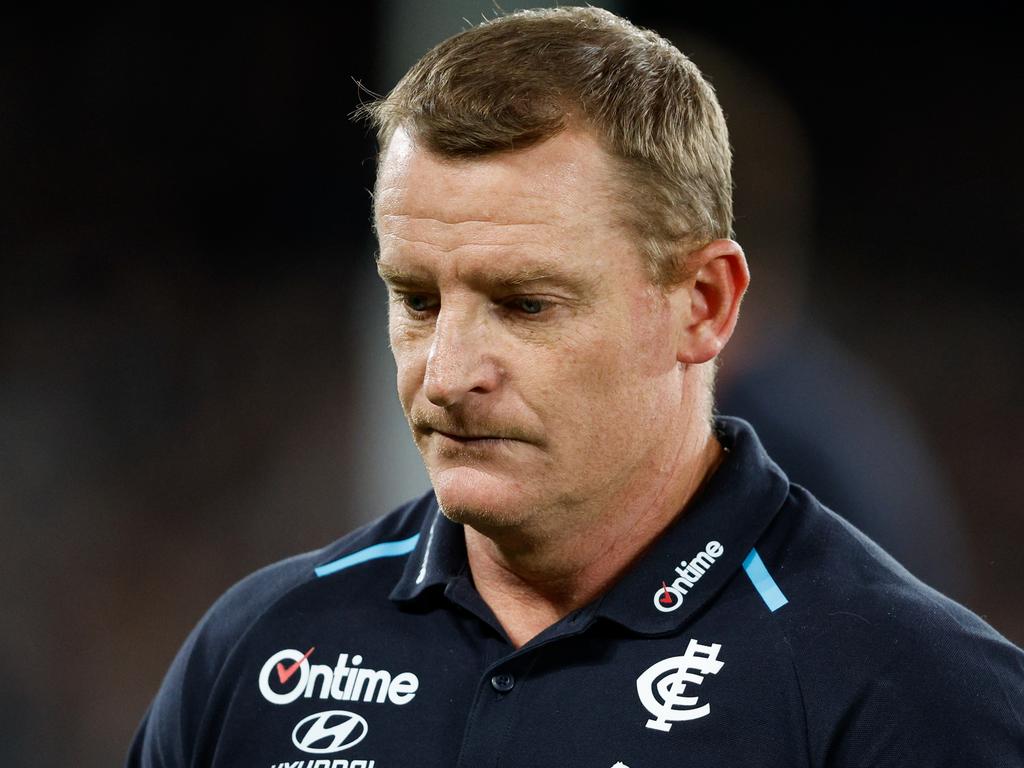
[662, 687]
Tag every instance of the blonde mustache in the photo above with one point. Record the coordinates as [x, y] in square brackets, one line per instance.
[453, 424]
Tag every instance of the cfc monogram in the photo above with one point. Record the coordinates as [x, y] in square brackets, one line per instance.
[662, 685]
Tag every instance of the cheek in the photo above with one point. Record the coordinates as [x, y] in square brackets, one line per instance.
[623, 357]
[586, 379]
[410, 364]
[618, 375]
[652, 346]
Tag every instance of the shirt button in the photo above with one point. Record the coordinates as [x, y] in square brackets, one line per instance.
[503, 683]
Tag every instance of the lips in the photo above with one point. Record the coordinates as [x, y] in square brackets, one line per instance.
[468, 431]
[467, 438]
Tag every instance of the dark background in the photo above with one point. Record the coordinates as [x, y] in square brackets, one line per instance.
[191, 337]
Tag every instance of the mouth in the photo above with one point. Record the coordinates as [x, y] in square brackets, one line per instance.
[456, 444]
[468, 439]
[449, 435]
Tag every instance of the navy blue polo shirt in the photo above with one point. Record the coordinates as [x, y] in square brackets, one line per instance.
[759, 629]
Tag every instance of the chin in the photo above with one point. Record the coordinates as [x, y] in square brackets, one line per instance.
[477, 499]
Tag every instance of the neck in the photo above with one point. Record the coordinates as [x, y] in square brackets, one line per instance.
[531, 581]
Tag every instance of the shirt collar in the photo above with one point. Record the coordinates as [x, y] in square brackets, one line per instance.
[732, 510]
[439, 555]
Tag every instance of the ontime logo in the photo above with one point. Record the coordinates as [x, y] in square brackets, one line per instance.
[668, 597]
[289, 674]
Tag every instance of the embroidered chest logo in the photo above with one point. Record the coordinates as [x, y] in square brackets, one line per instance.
[663, 686]
[289, 674]
[327, 732]
[668, 597]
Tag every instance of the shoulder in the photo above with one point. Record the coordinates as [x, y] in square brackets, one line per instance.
[248, 600]
[885, 663]
[169, 729]
[838, 576]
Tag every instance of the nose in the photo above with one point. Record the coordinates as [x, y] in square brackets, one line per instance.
[459, 363]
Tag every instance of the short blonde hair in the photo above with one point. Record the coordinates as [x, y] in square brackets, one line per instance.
[519, 79]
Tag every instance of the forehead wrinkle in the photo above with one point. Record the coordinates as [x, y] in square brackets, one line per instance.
[476, 244]
[445, 237]
[407, 200]
[411, 218]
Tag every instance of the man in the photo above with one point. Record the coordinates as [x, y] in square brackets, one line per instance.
[604, 574]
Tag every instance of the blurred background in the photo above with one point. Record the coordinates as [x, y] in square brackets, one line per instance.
[194, 374]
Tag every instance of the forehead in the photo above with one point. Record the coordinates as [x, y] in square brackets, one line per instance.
[554, 191]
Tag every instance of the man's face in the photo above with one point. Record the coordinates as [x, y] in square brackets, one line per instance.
[536, 360]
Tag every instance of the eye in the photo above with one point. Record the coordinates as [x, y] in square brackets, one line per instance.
[527, 305]
[417, 303]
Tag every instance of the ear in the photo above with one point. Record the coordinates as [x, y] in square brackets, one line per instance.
[709, 299]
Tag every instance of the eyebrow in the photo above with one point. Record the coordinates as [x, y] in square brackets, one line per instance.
[398, 276]
[510, 278]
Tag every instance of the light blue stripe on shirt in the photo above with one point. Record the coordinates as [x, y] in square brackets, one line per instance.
[763, 582]
[384, 549]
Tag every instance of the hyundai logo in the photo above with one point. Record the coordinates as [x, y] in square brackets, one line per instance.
[330, 731]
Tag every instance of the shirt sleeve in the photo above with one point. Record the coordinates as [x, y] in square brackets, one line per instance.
[166, 735]
[945, 702]
[172, 730]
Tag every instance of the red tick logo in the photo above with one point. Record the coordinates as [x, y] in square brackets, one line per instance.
[666, 598]
[283, 672]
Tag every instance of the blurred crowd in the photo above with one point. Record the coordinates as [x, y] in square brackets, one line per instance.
[194, 374]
